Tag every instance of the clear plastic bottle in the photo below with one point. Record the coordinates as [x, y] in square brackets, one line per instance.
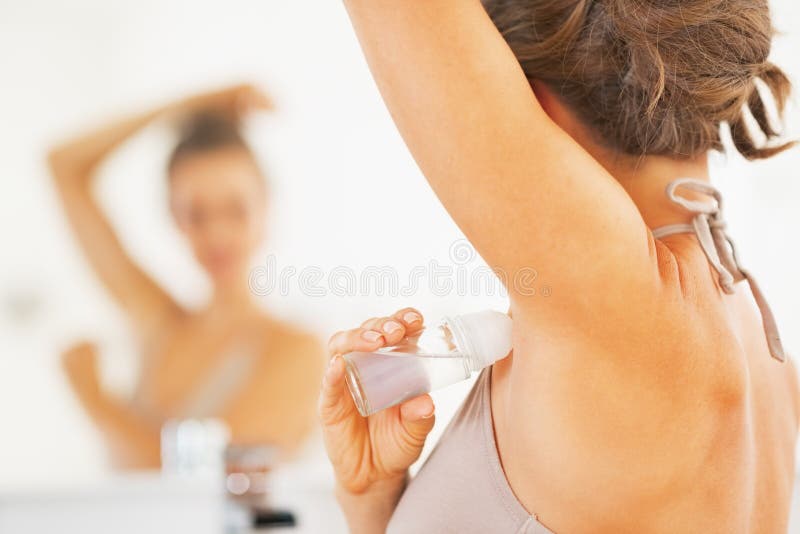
[427, 361]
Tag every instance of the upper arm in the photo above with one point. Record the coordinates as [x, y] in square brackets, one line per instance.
[141, 298]
[528, 197]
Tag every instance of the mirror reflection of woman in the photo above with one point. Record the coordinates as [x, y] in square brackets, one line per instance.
[229, 360]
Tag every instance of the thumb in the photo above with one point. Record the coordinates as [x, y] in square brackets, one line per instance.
[417, 417]
[334, 403]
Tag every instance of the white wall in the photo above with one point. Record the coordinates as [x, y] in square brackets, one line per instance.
[346, 192]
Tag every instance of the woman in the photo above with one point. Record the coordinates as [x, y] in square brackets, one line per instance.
[228, 360]
[649, 391]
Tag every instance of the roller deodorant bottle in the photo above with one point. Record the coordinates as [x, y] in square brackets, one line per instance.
[429, 360]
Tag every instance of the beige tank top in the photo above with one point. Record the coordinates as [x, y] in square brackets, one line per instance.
[462, 487]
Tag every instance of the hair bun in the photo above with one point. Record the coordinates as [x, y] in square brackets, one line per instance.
[205, 131]
[210, 128]
[653, 76]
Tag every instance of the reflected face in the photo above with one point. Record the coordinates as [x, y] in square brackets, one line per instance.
[218, 201]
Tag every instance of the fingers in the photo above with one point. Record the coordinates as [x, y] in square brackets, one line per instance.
[377, 332]
[358, 339]
[235, 100]
[405, 322]
[250, 97]
[389, 328]
[335, 403]
[417, 408]
[411, 318]
[417, 417]
[260, 100]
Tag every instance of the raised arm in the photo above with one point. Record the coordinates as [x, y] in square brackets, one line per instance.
[74, 164]
[523, 191]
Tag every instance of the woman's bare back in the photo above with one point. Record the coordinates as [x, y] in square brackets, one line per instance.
[708, 447]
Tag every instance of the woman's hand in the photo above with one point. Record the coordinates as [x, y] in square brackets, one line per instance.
[372, 453]
[235, 101]
[80, 365]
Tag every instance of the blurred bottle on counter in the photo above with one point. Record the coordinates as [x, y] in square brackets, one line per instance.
[194, 447]
[429, 360]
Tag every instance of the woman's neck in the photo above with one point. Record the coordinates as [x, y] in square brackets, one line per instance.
[646, 181]
[644, 178]
[232, 298]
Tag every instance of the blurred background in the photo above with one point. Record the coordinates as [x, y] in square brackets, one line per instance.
[343, 192]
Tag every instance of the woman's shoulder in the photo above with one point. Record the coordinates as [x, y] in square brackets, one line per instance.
[284, 328]
[282, 335]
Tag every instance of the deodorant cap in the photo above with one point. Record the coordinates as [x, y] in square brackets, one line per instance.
[483, 337]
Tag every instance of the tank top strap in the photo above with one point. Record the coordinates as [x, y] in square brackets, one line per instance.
[708, 225]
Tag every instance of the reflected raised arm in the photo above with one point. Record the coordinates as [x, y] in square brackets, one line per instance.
[74, 164]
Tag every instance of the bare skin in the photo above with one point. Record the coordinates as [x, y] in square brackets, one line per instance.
[639, 397]
[218, 201]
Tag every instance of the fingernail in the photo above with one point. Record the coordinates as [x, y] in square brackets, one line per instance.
[371, 336]
[429, 414]
[411, 317]
[333, 368]
[391, 326]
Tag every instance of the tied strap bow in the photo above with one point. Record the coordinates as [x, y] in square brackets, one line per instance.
[709, 226]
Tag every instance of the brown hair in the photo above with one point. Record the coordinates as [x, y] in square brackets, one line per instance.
[653, 76]
[204, 132]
